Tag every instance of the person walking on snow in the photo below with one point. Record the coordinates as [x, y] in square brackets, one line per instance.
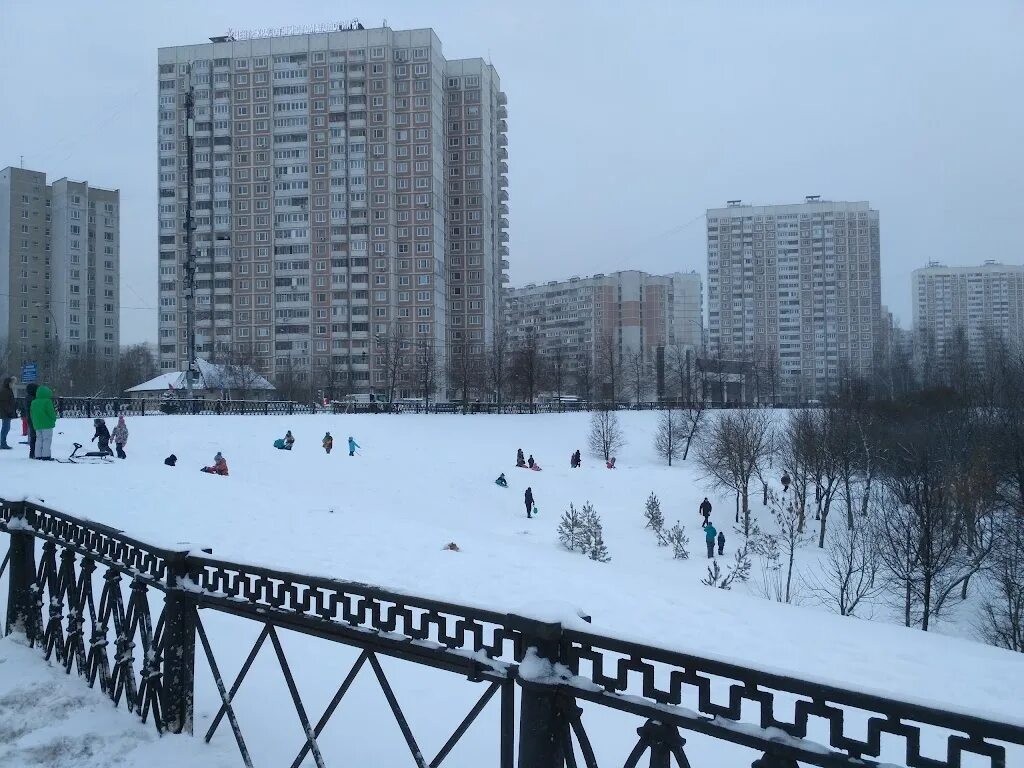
[103, 435]
[721, 543]
[352, 445]
[709, 538]
[528, 498]
[8, 411]
[121, 437]
[705, 509]
[328, 442]
[44, 419]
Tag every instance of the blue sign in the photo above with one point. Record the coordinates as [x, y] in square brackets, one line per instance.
[29, 373]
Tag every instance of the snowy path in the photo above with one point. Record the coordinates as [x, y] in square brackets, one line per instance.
[422, 481]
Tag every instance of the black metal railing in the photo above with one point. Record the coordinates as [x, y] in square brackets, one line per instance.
[101, 407]
[101, 625]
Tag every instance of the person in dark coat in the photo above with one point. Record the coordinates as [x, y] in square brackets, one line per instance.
[520, 459]
[721, 543]
[30, 395]
[705, 509]
[575, 461]
[8, 411]
[530, 462]
[528, 498]
[786, 480]
[102, 435]
[171, 460]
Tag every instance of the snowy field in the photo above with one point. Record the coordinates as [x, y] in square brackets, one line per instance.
[420, 482]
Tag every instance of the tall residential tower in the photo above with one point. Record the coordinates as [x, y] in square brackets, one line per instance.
[795, 289]
[59, 270]
[350, 203]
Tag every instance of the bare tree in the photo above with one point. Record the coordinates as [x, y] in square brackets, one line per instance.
[693, 423]
[789, 539]
[606, 436]
[557, 366]
[585, 377]
[464, 372]
[636, 368]
[424, 369]
[498, 364]
[609, 368]
[849, 574]
[670, 439]
[528, 367]
[1002, 611]
[735, 450]
[391, 359]
[680, 364]
[798, 444]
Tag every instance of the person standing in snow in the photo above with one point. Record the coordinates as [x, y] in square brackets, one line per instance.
[30, 395]
[121, 437]
[530, 462]
[705, 509]
[709, 538]
[528, 499]
[786, 480]
[721, 543]
[44, 419]
[8, 411]
[352, 445]
[328, 442]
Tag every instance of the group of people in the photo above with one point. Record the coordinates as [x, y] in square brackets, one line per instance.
[526, 463]
[711, 536]
[288, 441]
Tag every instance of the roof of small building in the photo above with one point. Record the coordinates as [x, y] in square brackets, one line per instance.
[211, 377]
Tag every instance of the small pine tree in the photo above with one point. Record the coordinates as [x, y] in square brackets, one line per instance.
[676, 538]
[655, 520]
[571, 529]
[714, 574]
[593, 535]
[739, 571]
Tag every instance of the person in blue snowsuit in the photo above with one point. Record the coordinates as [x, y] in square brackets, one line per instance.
[352, 445]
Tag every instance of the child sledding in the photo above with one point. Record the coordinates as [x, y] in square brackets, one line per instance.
[285, 443]
[501, 481]
[102, 435]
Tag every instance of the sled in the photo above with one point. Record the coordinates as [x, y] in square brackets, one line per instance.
[535, 468]
[91, 457]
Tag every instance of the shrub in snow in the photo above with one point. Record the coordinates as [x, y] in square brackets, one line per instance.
[570, 529]
[676, 538]
[738, 571]
[655, 520]
[593, 535]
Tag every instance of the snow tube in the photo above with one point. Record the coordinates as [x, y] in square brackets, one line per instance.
[535, 467]
[279, 443]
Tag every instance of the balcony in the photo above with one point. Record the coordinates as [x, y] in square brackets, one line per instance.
[503, 181]
[503, 237]
[502, 98]
[502, 140]
[502, 167]
[502, 153]
[502, 112]
[503, 250]
[503, 210]
[502, 126]
[503, 222]
[503, 195]
[504, 263]
[504, 277]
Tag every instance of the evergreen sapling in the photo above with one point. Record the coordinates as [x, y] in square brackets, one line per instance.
[593, 536]
[571, 529]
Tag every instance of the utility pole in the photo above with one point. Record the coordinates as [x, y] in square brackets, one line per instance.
[190, 257]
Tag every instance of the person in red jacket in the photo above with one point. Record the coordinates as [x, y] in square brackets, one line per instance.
[220, 466]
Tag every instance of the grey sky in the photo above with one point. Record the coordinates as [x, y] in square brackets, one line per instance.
[623, 126]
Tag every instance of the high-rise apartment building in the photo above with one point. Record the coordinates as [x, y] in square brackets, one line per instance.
[795, 289]
[350, 199]
[631, 311]
[59, 270]
[982, 300]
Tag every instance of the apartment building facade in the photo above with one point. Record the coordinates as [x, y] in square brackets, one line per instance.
[350, 194]
[630, 311]
[59, 270]
[982, 300]
[795, 289]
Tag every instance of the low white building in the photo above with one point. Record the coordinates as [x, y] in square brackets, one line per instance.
[215, 382]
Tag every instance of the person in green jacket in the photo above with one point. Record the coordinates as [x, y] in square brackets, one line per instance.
[44, 419]
[709, 538]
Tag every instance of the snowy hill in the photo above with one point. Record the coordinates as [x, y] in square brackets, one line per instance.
[420, 482]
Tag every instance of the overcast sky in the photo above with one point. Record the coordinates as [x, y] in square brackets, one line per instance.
[624, 126]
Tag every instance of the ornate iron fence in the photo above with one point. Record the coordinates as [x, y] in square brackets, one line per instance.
[86, 604]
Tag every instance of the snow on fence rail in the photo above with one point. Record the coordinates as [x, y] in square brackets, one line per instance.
[83, 621]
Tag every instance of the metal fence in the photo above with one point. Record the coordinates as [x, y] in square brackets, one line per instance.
[83, 598]
[98, 407]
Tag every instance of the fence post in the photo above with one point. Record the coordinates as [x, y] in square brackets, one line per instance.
[23, 605]
[541, 724]
[179, 647]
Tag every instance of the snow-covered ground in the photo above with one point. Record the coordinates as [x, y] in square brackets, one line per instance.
[419, 482]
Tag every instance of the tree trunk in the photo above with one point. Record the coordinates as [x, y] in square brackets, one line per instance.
[746, 511]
